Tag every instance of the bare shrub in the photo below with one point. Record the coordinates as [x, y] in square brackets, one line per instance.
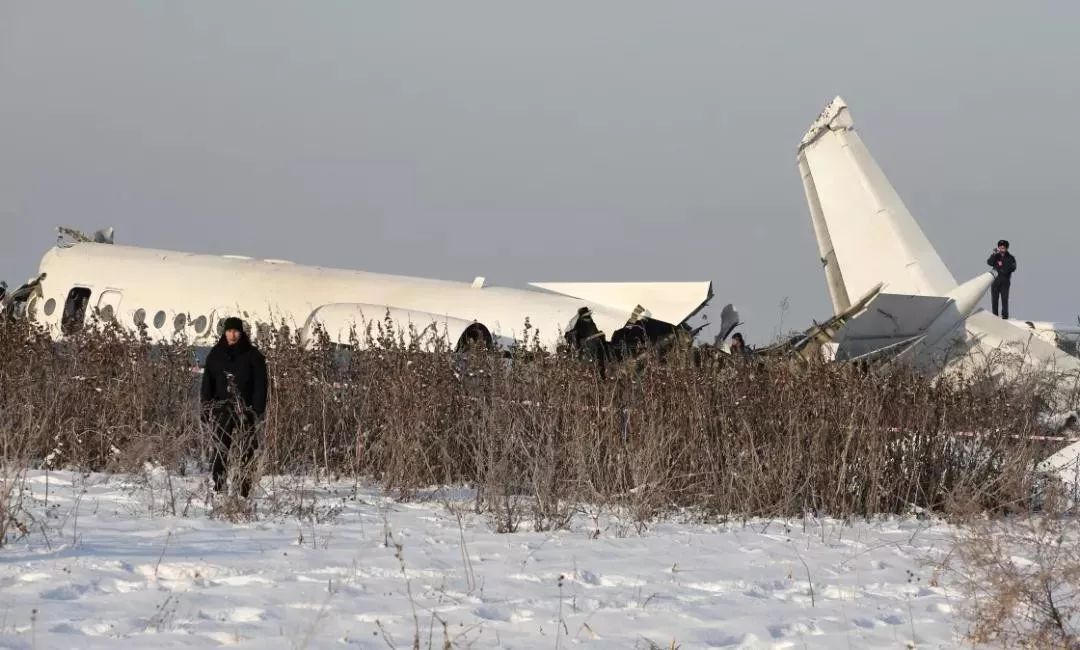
[1021, 577]
[13, 524]
[102, 400]
[538, 434]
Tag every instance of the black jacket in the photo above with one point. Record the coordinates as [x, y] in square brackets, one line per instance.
[1007, 267]
[248, 369]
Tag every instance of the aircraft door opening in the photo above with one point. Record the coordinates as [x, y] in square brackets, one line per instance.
[108, 305]
[75, 310]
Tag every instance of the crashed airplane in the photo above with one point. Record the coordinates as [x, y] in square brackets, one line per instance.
[872, 250]
[892, 295]
[172, 295]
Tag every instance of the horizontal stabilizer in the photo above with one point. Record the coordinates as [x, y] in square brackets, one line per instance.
[671, 302]
[888, 319]
[893, 352]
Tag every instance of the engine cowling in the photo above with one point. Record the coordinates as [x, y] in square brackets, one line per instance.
[351, 323]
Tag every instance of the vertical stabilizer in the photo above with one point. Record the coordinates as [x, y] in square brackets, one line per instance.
[841, 301]
[865, 233]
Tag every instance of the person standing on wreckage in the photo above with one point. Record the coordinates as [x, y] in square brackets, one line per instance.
[1004, 265]
[233, 396]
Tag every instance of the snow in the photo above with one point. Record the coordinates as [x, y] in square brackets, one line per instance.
[103, 563]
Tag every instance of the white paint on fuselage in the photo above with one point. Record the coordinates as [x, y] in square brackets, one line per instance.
[171, 285]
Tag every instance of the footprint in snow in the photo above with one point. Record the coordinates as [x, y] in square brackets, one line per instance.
[492, 613]
[98, 628]
[65, 628]
[68, 592]
[794, 629]
[621, 581]
[721, 639]
[246, 615]
[242, 581]
[235, 615]
[126, 586]
[503, 614]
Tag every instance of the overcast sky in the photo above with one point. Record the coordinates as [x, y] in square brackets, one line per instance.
[541, 141]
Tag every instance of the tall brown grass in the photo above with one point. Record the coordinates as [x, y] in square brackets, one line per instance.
[1020, 576]
[537, 434]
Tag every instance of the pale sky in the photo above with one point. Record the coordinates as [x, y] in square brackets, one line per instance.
[543, 141]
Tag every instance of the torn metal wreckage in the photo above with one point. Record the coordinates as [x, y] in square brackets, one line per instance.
[907, 304]
[893, 298]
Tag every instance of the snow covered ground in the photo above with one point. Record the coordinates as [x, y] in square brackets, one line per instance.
[104, 564]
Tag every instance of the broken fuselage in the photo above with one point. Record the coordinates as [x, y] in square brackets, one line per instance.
[173, 295]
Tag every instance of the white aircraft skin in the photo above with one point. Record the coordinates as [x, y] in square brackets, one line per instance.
[178, 294]
[1066, 337]
[866, 238]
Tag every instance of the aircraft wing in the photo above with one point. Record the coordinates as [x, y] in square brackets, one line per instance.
[1065, 337]
[990, 334]
[670, 302]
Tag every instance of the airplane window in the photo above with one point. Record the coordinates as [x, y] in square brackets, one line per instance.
[159, 319]
[139, 317]
[200, 324]
[50, 306]
[179, 322]
[75, 310]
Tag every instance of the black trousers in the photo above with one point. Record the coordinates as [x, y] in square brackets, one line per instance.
[233, 427]
[1000, 291]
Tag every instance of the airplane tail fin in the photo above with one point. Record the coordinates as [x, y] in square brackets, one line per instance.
[865, 234]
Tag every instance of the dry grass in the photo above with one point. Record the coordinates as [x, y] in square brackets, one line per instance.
[542, 437]
[1021, 578]
[540, 434]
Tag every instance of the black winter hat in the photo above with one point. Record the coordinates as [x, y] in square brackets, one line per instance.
[1003, 242]
[233, 323]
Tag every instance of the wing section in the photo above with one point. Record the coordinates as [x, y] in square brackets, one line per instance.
[992, 335]
[671, 302]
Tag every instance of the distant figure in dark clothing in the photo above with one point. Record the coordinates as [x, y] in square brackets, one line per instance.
[738, 347]
[1004, 265]
[234, 400]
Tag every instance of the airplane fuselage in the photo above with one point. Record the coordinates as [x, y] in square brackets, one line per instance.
[171, 295]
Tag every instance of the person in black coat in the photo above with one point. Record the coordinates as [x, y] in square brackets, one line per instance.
[738, 347]
[1004, 264]
[234, 400]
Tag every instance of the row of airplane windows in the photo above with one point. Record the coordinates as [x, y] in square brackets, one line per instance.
[79, 297]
